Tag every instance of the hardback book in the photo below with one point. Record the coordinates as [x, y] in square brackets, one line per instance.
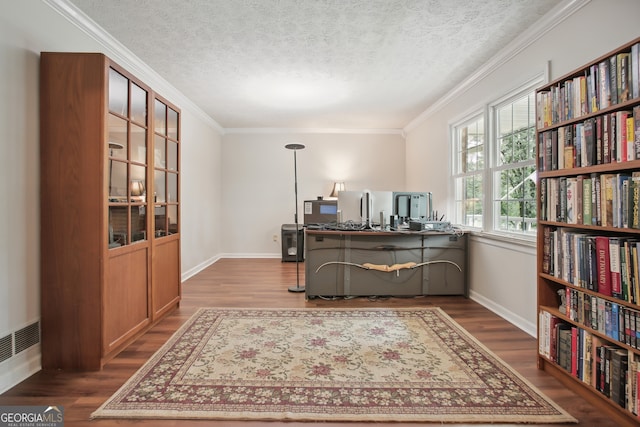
[580, 199]
[636, 131]
[572, 200]
[634, 200]
[623, 76]
[606, 195]
[614, 267]
[564, 346]
[606, 138]
[569, 148]
[586, 200]
[619, 366]
[613, 79]
[596, 199]
[604, 97]
[587, 135]
[604, 275]
[635, 70]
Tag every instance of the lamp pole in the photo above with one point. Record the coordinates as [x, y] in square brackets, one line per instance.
[295, 147]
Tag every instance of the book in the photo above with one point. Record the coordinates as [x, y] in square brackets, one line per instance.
[606, 196]
[572, 200]
[604, 275]
[623, 76]
[596, 200]
[634, 200]
[586, 200]
[587, 135]
[614, 267]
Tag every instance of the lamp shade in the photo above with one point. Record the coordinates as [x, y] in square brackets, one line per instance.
[337, 186]
[137, 187]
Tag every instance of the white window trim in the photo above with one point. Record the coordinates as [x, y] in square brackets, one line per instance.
[488, 111]
[471, 116]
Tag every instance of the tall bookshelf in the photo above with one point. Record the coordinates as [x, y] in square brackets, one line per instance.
[588, 245]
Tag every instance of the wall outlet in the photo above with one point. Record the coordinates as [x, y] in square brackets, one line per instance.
[275, 238]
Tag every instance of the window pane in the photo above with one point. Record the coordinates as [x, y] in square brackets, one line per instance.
[159, 185]
[118, 93]
[472, 215]
[138, 144]
[172, 123]
[515, 187]
[172, 155]
[160, 213]
[138, 104]
[160, 118]
[160, 152]
[117, 141]
[117, 181]
[117, 226]
[173, 219]
[138, 223]
[172, 191]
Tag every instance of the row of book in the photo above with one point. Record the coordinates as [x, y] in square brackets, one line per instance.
[608, 138]
[612, 370]
[606, 199]
[617, 321]
[612, 81]
[609, 265]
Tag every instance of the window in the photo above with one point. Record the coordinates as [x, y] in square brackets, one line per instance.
[514, 171]
[503, 168]
[469, 170]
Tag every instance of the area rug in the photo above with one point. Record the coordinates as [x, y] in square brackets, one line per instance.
[410, 365]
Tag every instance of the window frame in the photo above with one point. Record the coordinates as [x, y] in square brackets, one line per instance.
[456, 168]
[491, 186]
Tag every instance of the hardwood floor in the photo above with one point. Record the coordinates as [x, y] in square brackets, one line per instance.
[264, 283]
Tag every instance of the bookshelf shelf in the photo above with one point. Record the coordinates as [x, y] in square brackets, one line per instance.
[588, 247]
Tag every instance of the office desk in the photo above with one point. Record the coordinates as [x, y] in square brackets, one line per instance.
[349, 263]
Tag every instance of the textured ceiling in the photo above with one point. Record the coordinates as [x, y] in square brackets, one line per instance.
[349, 64]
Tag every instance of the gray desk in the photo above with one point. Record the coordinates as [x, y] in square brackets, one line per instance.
[334, 263]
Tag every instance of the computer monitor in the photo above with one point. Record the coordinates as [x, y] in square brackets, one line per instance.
[412, 205]
[381, 207]
[350, 207]
[365, 207]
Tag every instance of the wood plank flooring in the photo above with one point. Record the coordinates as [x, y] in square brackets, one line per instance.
[263, 283]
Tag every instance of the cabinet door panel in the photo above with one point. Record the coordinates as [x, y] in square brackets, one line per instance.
[125, 297]
[166, 275]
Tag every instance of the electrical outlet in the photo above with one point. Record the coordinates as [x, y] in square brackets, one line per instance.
[275, 238]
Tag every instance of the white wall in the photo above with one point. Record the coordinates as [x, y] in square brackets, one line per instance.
[502, 273]
[258, 179]
[28, 27]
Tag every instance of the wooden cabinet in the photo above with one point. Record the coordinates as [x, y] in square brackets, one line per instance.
[110, 237]
[588, 260]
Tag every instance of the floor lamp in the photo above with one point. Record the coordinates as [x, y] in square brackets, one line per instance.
[296, 147]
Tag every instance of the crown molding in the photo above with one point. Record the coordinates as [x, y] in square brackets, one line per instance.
[525, 39]
[228, 131]
[124, 57]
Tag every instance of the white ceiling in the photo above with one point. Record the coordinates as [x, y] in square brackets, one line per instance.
[348, 64]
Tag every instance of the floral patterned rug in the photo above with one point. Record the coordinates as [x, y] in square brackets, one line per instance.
[332, 365]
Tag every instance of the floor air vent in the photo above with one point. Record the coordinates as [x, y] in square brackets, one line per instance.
[5, 348]
[26, 337]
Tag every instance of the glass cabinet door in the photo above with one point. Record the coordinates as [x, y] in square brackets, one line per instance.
[126, 147]
[165, 163]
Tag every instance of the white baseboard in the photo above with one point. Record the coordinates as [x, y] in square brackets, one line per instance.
[511, 317]
[20, 367]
